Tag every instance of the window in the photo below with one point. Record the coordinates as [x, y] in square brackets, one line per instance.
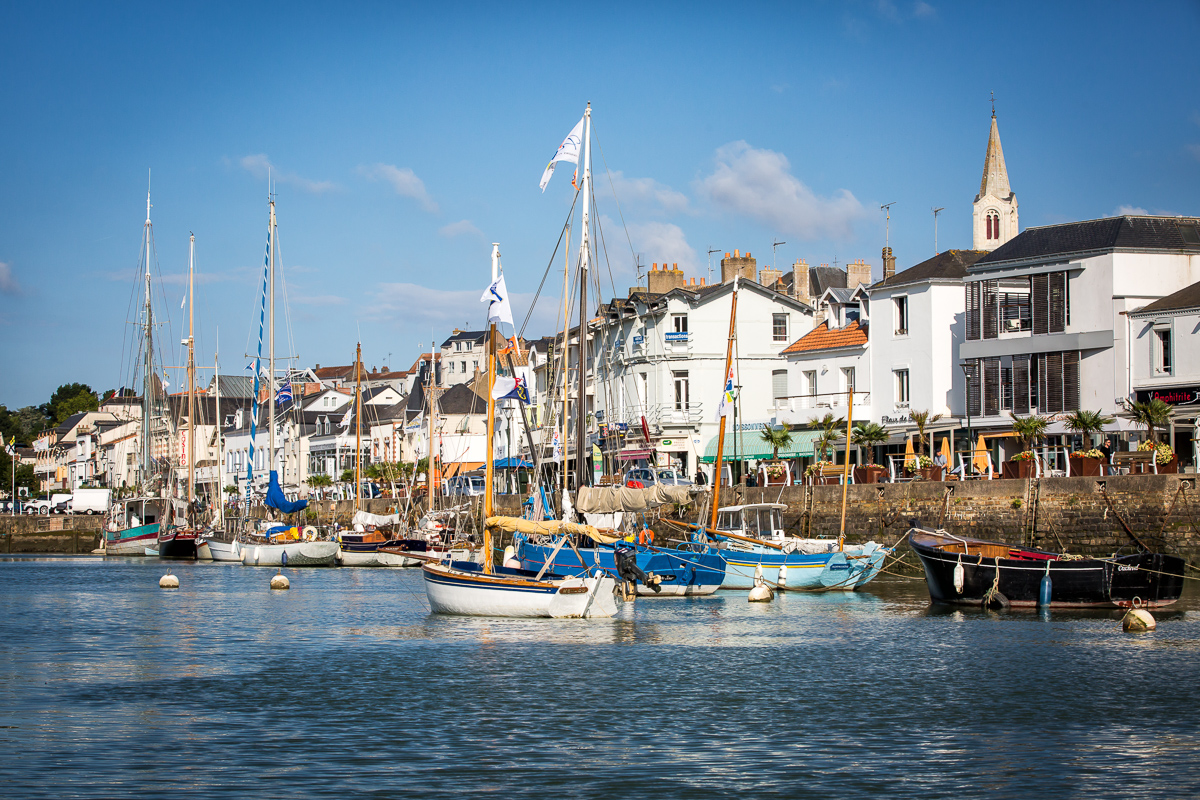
[810, 383]
[643, 389]
[470, 346]
[779, 327]
[475, 364]
[451, 367]
[463, 366]
[993, 226]
[901, 315]
[902, 395]
[779, 388]
[681, 390]
[1162, 351]
[847, 379]
[1006, 384]
[1050, 301]
[458, 346]
[679, 323]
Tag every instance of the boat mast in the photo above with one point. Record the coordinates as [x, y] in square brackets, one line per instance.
[846, 468]
[358, 427]
[583, 477]
[191, 368]
[432, 396]
[716, 501]
[489, 468]
[220, 490]
[147, 378]
[271, 360]
[565, 353]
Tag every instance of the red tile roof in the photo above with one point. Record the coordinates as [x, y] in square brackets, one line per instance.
[821, 338]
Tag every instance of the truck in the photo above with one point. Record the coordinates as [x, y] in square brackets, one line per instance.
[91, 501]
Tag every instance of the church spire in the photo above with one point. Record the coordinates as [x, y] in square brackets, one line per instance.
[995, 210]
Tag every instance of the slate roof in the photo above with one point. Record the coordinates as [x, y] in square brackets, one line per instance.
[822, 338]
[459, 399]
[1130, 233]
[1185, 298]
[465, 336]
[235, 386]
[946, 265]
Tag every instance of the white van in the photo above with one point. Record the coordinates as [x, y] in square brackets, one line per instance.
[91, 501]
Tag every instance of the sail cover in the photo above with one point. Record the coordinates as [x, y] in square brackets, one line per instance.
[550, 527]
[607, 499]
[378, 520]
[276, 499]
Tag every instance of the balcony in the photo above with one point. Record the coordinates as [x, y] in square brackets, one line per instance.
[818, 402]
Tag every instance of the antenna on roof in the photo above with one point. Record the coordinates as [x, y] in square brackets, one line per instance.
[775, 246]
[887, 230]
[935, 213]
[711, 250]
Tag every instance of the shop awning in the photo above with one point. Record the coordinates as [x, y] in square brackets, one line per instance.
[511, 463]
[749, 445]
[633, 455]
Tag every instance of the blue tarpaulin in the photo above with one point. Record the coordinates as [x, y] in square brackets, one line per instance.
[276, 499]
[511, 463]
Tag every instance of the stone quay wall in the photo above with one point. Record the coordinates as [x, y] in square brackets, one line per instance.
[30, 534]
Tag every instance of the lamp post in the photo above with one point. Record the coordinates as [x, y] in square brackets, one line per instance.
[966, 368]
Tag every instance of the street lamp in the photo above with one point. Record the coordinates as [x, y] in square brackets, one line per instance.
[967, 373]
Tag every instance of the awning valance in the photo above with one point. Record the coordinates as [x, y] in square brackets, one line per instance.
[750, 445]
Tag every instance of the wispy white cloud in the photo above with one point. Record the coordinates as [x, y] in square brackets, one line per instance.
[260, 166]
[8, 283]
[646, 191]
[1135, 211]
[887, 9]
[924, 10]
[403, 180]
[758, 184]
[418, 308]
[1194, 149]
[464, 227]
[318, 300]
[663, 242]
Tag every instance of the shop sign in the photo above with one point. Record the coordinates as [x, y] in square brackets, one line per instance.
[903, 419]
[1171, 395]
[677, 336]
[666, 442]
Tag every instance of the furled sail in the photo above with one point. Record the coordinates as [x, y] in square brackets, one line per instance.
[276, 499]
[607, 499]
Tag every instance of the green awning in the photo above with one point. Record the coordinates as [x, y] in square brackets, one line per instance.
[749, 445]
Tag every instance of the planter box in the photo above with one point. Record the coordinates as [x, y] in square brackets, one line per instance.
[927, 474]
[1170, 468]
[1018, 469]
[1082, 467]
[870, 474]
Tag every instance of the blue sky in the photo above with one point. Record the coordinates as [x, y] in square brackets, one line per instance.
[406, 139]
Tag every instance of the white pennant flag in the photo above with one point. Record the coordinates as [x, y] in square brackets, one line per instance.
[496, 296]
[345, 423]
[567, 151]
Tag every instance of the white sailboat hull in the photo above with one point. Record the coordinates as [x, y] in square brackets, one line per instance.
[298, 554]
[348, 558]
[471, 593]
[225, 551]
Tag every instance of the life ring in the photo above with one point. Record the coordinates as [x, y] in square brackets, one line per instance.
[310, 533]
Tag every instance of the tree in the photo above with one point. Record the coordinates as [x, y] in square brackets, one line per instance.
[1030, 430]
[1086, 423]
[347, 476]
[68, 399]
[231, 489]
[776, 438]
[1152, 415]
[869, 434]
[922, 420]
[831, 430]
[315, 481]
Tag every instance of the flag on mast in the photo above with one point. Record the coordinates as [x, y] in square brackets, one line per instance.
[567, 151]
[496, 296]
[726, 407]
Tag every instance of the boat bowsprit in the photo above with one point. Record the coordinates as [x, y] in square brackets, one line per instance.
[968, 571]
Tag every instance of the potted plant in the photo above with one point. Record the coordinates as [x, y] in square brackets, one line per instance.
[869, 435]
[1164, 457]
[813, 474]
[922, 469]
[775, 471]
[1022, 465]
[1088, 461]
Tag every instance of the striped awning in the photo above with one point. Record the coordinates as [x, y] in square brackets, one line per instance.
[749, 445]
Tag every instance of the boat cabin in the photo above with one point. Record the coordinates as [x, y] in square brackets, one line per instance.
[757, 520]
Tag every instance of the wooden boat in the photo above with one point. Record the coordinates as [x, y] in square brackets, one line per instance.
[967, 571]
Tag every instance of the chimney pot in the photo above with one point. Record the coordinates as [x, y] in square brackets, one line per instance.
[654, 265]
[736, 254]
[674, 265]
[727, 255]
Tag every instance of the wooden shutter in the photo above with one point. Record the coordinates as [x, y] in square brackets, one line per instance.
[1057, 301]
[1020, 384]
[991, 387]
[1054, 382]
[991, 310]
[1040, 297]
[974, 390]
[973, 310]
[1039, 403]
[1070, 379]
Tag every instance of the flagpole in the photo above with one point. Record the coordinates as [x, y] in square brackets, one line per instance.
[721, 433]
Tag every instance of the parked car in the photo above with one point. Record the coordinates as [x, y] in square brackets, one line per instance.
[648, 477]
[48, 505]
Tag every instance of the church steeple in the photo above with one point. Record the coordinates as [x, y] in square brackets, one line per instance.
[996, 204]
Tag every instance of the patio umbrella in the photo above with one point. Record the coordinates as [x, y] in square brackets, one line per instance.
[910, 459]
[981, 455]
[947, 453]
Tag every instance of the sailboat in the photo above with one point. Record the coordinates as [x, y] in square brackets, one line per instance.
[133, 523]
[468, 588]
[281, 545]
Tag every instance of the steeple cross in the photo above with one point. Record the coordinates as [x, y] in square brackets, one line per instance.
[993, 94]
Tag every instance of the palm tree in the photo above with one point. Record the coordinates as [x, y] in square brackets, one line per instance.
[1086, 423]
[869, 434]
[1030, 430]
[315, 481]
[776, 438]
[922, 420]
[831, 430]
[1152, 415]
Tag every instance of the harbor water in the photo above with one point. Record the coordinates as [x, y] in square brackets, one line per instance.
[346, 686]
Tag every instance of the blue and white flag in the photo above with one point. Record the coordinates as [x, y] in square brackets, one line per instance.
[557, 447]
[726, 407]
[506, 388]
[567, 151]
[284, 394]
[496, 296]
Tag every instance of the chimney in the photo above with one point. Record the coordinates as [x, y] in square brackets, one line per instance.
[858, 272]
[661, 281]
[768, 276]
[743, 266]
[889, 263]
[800, 281]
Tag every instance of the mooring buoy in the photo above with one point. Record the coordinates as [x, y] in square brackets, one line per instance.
[760, 593]
[168, 581]
[510, 558]
[280, 581]
[1137, 620]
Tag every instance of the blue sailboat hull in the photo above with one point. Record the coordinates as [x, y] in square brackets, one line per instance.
[683, 572]
[834, 570]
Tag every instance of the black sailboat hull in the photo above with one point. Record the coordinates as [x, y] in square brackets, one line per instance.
[1143, 579]
[178, 544]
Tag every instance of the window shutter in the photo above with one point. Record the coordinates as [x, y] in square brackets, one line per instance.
[974, 407]
[991, 310]
[779, 383]
[1071, 380]
[991, 387]
[1057, 301]
[1020, 384]
[972, 290]
[1040, 304]
[1054, 382]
